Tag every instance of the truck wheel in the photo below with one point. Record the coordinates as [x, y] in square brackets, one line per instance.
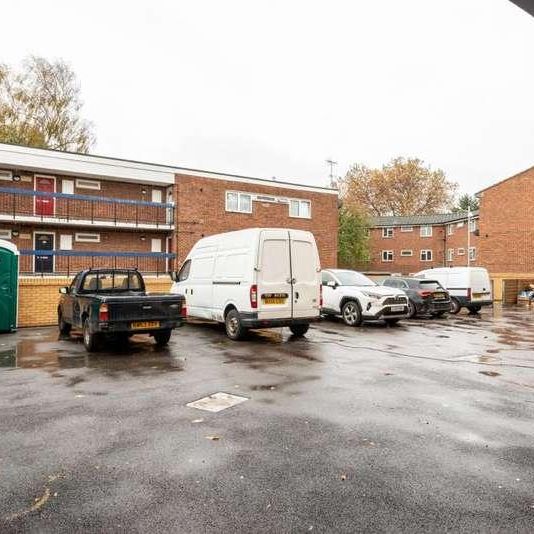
[234, 327]
[162, 337]
[299, 329]
[91, 341]
[351, 313]
[455, 306]
[64, 327]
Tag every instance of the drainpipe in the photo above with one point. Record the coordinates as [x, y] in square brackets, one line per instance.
[468, 234]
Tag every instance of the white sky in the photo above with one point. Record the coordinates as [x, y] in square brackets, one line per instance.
[273, 88]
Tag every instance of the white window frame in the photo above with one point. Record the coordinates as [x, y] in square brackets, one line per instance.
[406, 228]
[158, 193]
[472, 225]
[460, 224]
[300, 201]
[472, 253]
[388, 232]
[70, 186]
[406, 253]
[53, 234]
[155, 243]
[5, 234]
[82, 183]
[460, 251]
[422, 230]
[239, 194]
[425, 252]
[387, 253]
[6, 175]
[450, 254]
[63, 238]
[450, 229]
[83, 237]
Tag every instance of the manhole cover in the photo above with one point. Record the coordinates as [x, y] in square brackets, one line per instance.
[217, 402]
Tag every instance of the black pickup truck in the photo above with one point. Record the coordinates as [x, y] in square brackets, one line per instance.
[113, 302]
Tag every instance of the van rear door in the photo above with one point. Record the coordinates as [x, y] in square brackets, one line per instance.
[274, 287]
[480, 285]
[305, 269]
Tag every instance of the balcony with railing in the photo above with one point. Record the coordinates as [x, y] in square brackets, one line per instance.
[25, 205]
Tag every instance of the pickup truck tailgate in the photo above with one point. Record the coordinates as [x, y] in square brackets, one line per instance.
[148, 308]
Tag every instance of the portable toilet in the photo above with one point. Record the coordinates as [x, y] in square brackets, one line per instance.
[9, 277]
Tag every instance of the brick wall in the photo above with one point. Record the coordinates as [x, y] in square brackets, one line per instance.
[39, 298]
[507, 225]
[201, 212]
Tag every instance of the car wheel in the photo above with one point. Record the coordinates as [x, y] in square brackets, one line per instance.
[455, 306]
[234, 327]
[299, 329]
[412, 309]
[162, 337]
[64, 327]
[91, 341]
[392, 322]
[351, 313]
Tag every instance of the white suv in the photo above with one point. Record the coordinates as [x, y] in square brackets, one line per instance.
[357, 298]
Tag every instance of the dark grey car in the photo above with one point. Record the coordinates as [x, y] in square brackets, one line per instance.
[426, 297]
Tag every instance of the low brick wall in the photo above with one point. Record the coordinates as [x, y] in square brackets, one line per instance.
[39, 297]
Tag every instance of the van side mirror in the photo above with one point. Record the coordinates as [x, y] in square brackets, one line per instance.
[332, 284]
[64, 290]
[174, 276]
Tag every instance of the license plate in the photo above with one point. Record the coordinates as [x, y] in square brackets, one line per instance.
[397, 308]
[477, 295]
[439, 295]
[141, 325]
[274, 300]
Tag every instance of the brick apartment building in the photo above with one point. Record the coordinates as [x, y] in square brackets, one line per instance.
[68, 211]
[409, 244]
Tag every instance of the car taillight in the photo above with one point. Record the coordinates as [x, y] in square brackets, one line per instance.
[321, 295]
[425, 294]
[184, 309]
[103, 313]
[254, 296]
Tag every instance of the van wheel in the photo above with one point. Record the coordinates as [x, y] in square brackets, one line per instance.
[455, 306]
[234, 327]
[162, 337]
[91, 341]
[392, 322]
[351, 313]
[299, 329]
[64, 328]
[474, 309]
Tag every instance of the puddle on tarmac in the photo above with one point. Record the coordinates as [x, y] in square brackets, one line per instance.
[48, 353]
[490, 373]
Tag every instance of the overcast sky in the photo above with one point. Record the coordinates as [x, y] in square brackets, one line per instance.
[273, 88]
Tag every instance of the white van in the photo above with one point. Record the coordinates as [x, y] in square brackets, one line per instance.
[469, 287]
[255, 278]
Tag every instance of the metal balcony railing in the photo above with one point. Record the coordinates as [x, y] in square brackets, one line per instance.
[29, 205]
[69, 262]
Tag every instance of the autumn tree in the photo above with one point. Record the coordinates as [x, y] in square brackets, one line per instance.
[404, 186]
[353, 237]
[40, 106]
[466, 202]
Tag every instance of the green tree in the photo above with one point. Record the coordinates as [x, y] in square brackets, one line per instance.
[466, 202]
[40, 106]
[353, 245]
[401, 187]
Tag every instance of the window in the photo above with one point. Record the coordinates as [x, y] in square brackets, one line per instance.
[5, 234]
[6, 175]
[426, 231]
[67, 187]
[387, 232]
[426, 255]
[461, 252]
[472, 225]
[238, 202]
[460, 224]
[87, 238]
[450, 229]
[326, 277]
[184, 271]
[65, 242]
[450, 254]
[156, 195]
[87, 184]
[354, 278]
[156, 245]
[406, 253]
[406, 228]
[387, 255]
[112, 281]
[472, 253]
[300, 208]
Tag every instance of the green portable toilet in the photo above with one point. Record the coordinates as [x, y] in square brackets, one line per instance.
[9, 276]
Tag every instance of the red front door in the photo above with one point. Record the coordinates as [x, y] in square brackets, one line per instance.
[44, 205]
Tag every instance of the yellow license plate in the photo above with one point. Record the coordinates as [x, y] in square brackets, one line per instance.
[477, 295]
[274, 300]
[141, 325]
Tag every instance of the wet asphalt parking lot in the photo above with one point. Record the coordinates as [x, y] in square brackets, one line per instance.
[427, 426]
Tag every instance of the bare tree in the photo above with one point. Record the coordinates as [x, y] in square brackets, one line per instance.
[401, 187]
[40, 106]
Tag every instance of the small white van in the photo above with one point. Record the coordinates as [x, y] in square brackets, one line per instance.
[254, 278]
[469, 287]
